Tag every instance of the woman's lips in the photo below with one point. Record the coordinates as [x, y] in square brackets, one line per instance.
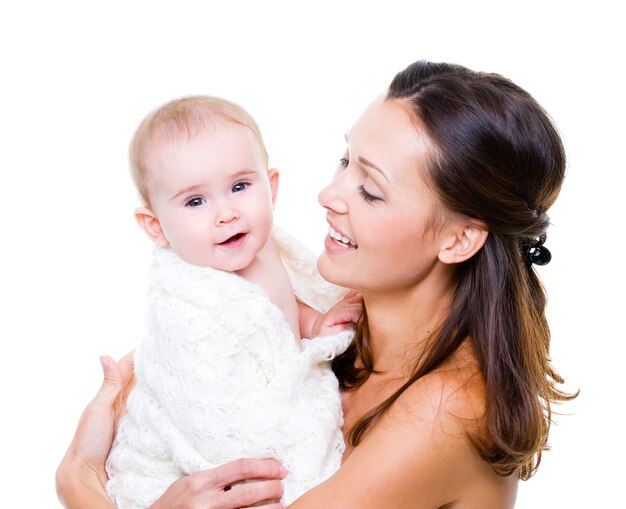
[334, 246]
[342, 239]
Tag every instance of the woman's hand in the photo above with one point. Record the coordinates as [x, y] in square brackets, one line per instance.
[81, 476]
[217, 488]
[83, 463]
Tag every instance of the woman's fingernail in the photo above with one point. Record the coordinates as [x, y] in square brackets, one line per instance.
[104, 361]
[283, 470]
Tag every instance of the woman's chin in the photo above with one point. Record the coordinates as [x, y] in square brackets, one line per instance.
[332, 273]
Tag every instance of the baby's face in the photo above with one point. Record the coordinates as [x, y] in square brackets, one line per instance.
[213, 197]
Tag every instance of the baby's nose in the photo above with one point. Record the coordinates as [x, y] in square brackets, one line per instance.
[226, 215]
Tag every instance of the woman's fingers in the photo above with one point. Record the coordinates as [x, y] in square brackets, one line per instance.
[111, 387]
[127, 374]
[92, 440]
[242, 470]
[241, 483]
[224, 487]
[231, 479]
[244, 495]
[127, 367]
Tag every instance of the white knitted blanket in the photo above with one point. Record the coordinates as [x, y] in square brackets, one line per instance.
[221, 377]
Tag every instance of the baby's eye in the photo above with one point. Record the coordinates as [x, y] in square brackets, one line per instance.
[344, 162]
[240, 186]
[195, 202]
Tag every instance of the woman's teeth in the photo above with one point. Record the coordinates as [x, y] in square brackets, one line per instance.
[341, 239]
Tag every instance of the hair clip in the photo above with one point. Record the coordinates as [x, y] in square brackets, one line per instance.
[536, 253]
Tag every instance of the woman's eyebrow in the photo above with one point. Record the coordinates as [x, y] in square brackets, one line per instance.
[368, 163]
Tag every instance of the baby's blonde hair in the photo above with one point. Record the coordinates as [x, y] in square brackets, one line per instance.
[182, 118]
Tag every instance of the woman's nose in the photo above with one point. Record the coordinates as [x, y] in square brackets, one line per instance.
[332, 196]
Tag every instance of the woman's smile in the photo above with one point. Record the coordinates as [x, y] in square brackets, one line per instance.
[341, 239]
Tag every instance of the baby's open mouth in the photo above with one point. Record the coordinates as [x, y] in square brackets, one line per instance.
[232, 240]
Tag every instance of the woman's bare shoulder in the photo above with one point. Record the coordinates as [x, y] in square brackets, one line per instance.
[422, 451]
[441, 417]
[451, 397]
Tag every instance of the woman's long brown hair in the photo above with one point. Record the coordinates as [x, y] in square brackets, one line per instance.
[499, 160]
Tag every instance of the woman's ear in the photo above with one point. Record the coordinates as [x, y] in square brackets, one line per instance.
[463, 242]
[149, 223]
[273, 177]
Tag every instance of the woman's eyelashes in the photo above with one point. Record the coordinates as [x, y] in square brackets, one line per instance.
[367, 196]
[344, 162]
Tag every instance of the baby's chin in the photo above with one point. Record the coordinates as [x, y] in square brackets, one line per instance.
[233, 265]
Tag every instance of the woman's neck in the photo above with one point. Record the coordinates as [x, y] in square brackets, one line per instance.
[401, 321]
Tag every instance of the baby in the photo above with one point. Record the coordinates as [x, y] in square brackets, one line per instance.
[223, 372]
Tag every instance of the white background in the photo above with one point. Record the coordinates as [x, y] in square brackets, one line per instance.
[75, 80]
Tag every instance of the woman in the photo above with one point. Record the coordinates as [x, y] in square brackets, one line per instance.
[443, 193]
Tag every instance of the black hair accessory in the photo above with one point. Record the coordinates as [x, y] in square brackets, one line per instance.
[535, 252]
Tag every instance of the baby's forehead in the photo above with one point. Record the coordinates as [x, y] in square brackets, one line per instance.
[185, 128]
[170, 148]
[178, 139]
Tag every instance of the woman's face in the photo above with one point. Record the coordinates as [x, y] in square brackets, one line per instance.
[379, 206]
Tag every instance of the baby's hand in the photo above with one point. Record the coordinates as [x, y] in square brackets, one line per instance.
[342, 316]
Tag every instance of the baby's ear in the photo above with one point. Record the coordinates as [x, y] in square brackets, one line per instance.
[148, 222]
[273, 175]
[462, 242]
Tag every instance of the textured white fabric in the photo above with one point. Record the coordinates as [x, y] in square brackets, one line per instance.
[220, 376]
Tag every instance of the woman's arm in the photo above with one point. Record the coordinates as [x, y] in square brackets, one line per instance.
[81, 476]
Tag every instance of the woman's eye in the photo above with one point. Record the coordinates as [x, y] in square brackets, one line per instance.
[367, 196]
[344, 162]
[195, 202]
[240, 186]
